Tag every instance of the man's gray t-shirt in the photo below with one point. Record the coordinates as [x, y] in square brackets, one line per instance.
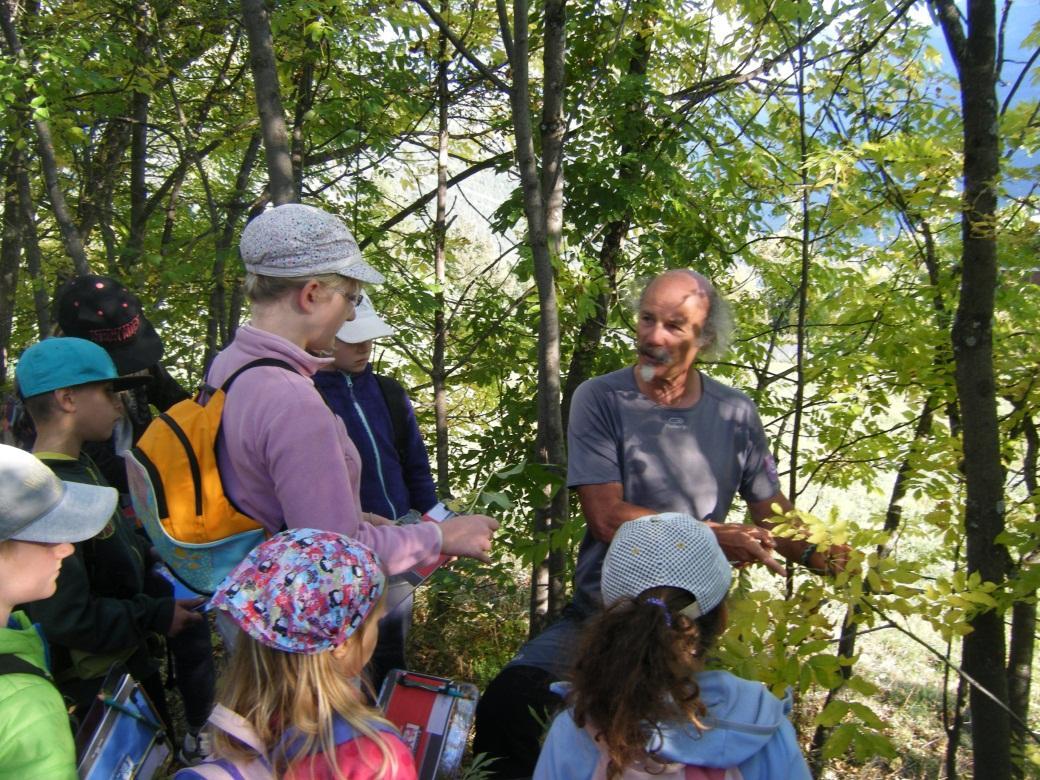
[691, 460]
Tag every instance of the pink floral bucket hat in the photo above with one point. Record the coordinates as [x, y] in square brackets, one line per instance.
[303, 590]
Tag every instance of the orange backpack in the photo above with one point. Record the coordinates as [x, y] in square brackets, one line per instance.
[178, 493]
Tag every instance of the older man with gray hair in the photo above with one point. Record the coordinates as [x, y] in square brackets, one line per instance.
[659, 436]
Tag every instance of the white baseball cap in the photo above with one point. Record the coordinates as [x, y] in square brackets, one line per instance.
[36, 506]
[365, 326]
[671, 550]
[293, 240]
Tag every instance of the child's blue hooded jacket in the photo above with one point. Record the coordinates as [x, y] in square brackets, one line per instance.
[748, 728]
[392, 482]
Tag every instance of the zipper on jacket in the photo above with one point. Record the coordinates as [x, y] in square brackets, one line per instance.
[375, 446]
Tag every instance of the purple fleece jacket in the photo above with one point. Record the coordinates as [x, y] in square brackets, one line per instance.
[286, 458]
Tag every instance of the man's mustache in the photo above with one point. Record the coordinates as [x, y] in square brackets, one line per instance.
[658, 355]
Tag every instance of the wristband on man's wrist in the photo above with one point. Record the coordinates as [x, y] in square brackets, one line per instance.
[807, 553]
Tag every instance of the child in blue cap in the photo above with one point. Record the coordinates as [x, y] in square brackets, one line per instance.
[308, 603]
[100, 613]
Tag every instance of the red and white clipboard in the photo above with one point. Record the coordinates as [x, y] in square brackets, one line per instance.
[434, 716]
[402, 585]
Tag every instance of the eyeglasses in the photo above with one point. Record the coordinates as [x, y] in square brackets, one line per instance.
[354, 298]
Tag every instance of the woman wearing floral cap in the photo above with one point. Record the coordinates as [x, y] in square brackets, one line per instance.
[284, 457]
[308, 605]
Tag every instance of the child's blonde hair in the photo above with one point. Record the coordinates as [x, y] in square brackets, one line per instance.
[305, 601]
[271, 688]
[263, 289]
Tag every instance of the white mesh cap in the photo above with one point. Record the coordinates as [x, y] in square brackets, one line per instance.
[666, 550]
[293, 240]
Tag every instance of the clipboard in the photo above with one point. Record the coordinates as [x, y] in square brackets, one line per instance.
[434, 716]
[122, 736]
[402, 585]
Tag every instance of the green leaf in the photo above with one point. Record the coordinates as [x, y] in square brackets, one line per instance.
[496, 499]
[832, 714]
[838, 742]
[862, 686]
[867, 715]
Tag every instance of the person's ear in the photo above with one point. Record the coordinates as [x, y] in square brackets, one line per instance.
[311, 294]
[66, 398]
[341, 651]
[346, 655]
[346, 650]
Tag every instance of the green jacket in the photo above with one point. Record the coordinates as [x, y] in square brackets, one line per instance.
[100, 613]
[35, 736]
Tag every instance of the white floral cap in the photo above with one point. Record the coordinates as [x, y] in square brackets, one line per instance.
[293, 240]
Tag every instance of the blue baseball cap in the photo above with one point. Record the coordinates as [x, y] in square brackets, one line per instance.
[64, 361]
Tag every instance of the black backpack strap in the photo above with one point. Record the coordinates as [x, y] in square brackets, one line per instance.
[397, 403]
[227, 386]
[253, 364]
[12, 664]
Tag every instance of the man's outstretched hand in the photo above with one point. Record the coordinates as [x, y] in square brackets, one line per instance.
[747, 544]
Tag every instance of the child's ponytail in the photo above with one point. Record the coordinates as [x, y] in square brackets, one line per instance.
[637, 667]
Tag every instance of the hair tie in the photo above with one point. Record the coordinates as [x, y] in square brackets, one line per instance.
[664, 608]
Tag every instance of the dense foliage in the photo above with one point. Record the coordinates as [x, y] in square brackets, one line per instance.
[806, 156]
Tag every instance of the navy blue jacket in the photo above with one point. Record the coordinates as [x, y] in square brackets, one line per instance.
[389, 486]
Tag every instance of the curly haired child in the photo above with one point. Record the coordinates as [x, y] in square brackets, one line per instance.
[642, 704]
[308, 603]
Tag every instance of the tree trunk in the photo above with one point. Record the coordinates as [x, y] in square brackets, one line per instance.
[894, 514]
[304, 101]
[440, 229]
[269, 101]
[553, 125]
[972, 338]
[102, 171]
[33, 260]
[170, 216]
[1019, 672]
[216, 322]
[10, 251]
[551, 443]
[953, 727]
[549, 446]
[140, 102]
[1023, 624]
[138, 187]
[45, 145]
[238, 294]
[805, 247]
[586, 343]
[850, 628]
